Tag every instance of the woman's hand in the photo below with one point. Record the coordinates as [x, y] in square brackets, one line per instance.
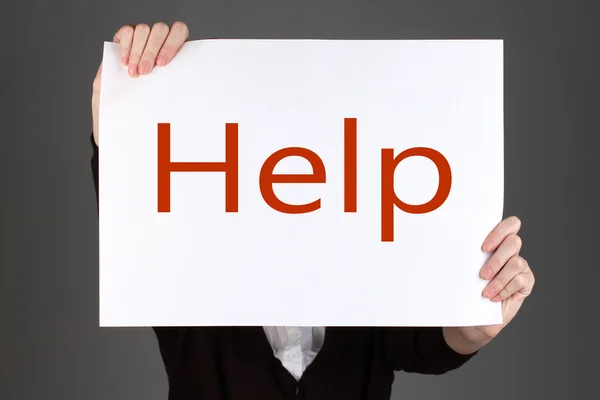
[142, 48]
[510, 282]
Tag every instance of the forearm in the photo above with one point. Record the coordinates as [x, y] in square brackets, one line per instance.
[422, 350]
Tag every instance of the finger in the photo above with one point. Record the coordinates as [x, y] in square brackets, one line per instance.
[510, 225]
[124, 37]
[177, 36]
[159, 33]
[515, 266]
[510, 247]
[140, 38]
[521, 286]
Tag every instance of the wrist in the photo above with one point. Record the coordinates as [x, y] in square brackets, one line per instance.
[460, 344]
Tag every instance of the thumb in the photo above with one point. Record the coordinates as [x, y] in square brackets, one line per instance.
[96, 103]
[98, 79]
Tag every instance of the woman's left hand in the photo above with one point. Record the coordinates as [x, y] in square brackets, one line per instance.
[510, 282]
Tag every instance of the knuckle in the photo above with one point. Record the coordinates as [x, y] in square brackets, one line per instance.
[134, 57]
[160, 27]
[495, 264]
[181, 26]
[126, 29]
[520, 281]
[516, 241]
[515, 221]
[142, 28]
[167, 50]
[499, 284]
[521, 263]
[149, 54]
[504, 293]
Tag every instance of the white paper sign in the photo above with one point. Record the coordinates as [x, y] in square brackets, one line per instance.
[400, 148]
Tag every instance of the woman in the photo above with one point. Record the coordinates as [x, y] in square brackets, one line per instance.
[313, 363]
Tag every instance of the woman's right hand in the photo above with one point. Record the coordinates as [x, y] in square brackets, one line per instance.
[142, 48]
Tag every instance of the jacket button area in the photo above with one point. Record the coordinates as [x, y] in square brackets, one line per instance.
[297, 391]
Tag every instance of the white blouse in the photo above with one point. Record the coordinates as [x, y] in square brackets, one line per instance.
[295, 346]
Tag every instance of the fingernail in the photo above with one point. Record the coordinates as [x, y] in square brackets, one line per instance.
[496, 298]
[488, 246]
[489, 292]
[125, 61]
[144, 68]
[486, 273]
[161, 60]
[133, 70]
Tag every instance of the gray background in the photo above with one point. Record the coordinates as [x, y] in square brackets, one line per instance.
[50, 343]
